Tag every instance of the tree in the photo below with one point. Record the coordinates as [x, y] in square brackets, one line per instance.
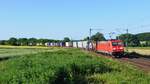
[32, 41]
[143, 36]
[131, 39]
[12, 41]
[85, 39]
[43, 41]
[98, 37]
[3, 42]
[22, 41]
[66, 39]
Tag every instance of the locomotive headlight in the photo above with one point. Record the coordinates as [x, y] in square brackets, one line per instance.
[121, 47]
[114, 48]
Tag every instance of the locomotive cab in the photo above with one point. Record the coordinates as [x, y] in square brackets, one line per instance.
[117, 47]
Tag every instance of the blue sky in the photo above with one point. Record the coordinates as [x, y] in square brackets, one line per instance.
[55, 19]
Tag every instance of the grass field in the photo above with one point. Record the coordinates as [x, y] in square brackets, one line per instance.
[9, 51]
[140, 50]
[64, 66]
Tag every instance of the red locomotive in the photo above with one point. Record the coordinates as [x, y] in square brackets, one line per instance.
[111, 47]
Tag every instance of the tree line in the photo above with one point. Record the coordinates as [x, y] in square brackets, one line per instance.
[29, 41]
[134, 40]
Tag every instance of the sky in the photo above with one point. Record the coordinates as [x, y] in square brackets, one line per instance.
[56, 19]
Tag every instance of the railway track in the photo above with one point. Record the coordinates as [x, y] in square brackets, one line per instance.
[140, 62]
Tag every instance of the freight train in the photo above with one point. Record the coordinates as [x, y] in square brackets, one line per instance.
[111, 47]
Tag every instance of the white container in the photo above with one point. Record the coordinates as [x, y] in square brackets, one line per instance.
[75, 44]
[80, 45]
[52, 44]
[46, 44]
[68, 44]
[85, 44]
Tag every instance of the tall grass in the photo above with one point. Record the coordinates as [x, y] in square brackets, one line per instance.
[19, 51]
[67, 66]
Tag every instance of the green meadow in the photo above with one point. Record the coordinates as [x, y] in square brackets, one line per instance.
[36, 65]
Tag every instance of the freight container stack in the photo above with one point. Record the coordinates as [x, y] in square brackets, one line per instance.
[62, 44]
[68, 44]
[85, 44]
[75, 44]
[112, 47]
[52, 44]
[80, 45]
[46, 44]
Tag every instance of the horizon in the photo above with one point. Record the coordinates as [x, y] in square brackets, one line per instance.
[64, 37]
[58, 19]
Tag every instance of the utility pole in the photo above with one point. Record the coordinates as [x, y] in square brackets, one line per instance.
[89, 40]
[127, 31]
[90, 35]
[127, 38]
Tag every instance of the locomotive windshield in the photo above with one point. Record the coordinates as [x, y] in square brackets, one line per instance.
[117, 43]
